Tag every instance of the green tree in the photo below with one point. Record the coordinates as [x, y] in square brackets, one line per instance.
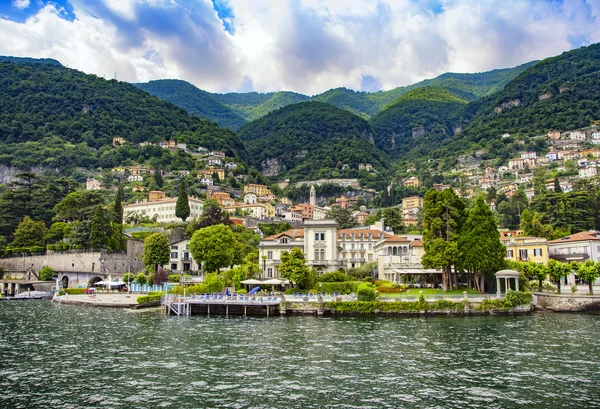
[588, 271]
[482, 252]
[29, 233]
[118, 205]
[557, 188]
[293, 267]
[214, 246]
[392, 218]
[442, 220]
[158, 179]
[157, 251]
[141, 279]
[343, 217]
[557, 270]
[212, 214]
[536, 271]
[46, 273]
[56, 232]
[100, 229]
[532, 225]
[182, 207]
[213, 283]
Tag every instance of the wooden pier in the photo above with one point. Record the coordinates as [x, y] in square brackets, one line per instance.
[221, 305]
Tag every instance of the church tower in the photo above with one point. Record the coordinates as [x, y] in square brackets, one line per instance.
[313, 196]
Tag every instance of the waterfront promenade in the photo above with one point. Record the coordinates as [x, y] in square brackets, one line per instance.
[116, 300]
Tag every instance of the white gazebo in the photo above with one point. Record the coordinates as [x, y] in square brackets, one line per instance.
[507, 275]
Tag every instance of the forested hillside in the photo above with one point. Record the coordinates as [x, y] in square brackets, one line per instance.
[41, 102]
[422, 116]
[253, 105]
[557, 93]
[194, 101]
[312, 140]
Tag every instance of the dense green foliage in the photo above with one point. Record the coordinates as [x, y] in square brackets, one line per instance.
[253, 105]
[143, 299]
[418, 118]
[293, 267]
[157, 251]
[195, 101]
[311, 140]
[182, 207]
[46, 273]
[556, 93]
[39, 101]
[214, 246]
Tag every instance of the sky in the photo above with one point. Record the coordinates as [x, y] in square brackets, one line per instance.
[306, 46]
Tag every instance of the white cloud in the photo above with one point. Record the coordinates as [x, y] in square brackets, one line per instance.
[21, 4]
[306, 46]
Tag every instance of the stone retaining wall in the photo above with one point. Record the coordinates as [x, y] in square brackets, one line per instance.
[567, 302]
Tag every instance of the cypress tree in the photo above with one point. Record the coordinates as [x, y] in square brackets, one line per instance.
[118, 205]
[557, 188]
[158, 179]
[99, 229]
[182, 207]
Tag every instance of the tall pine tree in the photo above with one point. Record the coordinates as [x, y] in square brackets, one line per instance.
[482, 253]
[182, 207]
[442, 220]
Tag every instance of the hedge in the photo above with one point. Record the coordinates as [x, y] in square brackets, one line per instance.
[174, 278]
[74, 291]
[366, 292]
[345, 287]
[143, 299]
[511, 300]
[368, 307]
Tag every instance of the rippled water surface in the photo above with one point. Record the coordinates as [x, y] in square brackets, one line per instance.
[75, 357]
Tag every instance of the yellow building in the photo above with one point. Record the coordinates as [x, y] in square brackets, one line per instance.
[155, 195]
[412, 181]
[208, 173]
[526, 248]
[118, 141]
[285, 201]
[413, 203]
[259, 190]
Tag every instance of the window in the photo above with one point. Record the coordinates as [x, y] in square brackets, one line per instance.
[523, 254]
[509, 253]
[173, 267]
[317, 254]
[537, 252]
[269, 272]
[370, 257]
[174, 248]
[283, 240]
[322, 254]
[173, 254]
[319, 236]
[270, 255]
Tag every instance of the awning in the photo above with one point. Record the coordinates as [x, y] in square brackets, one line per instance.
[251, 281]
[413, 271]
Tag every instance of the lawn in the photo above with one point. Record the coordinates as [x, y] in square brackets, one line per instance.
[414, 292]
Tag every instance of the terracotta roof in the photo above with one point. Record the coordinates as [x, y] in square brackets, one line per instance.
[397, 239]
[157, 202]
[377, 234]
[583, 236]
[417, 243]
[293, 233]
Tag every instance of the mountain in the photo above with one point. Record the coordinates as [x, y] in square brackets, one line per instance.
[356, 102]
[311, 140]
[467, 86]
[26, 60]
[557, 93]
[41, 102]
[253, 105]
[195, 101]
[417, 117]
[232, 110]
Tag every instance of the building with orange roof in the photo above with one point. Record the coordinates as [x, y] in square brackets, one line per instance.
[155, 195]
[163, 211]
[223, 198]
[526, 248]
[356, 245]
[400, 258]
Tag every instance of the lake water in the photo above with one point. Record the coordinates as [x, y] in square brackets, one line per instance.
[55, 356]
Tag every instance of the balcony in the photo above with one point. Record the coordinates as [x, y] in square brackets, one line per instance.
[570, 257]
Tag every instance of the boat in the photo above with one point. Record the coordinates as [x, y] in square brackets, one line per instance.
[29, 295]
